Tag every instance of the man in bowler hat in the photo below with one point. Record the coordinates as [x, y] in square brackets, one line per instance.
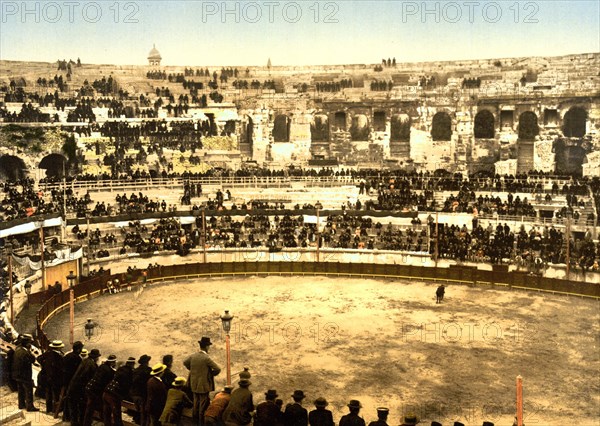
[22, 372]
[321, 416]
[268, 413]
[352, 418]
[295, 414]
[202, 372]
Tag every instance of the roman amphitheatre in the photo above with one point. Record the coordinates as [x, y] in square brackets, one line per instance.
[322, 207]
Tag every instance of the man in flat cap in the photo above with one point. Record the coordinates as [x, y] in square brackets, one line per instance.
[382, 415]
[202, 372]
[352, 418]
[213, 416]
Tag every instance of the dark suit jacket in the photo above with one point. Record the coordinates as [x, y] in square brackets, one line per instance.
[82, 376]
[53, 364]
[156, 397]
[295, 415]
[71, 362]
[267, 414]
[352, 420]
[21, 364]
[320, 417]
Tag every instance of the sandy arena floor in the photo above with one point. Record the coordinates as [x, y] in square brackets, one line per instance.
[382, 342]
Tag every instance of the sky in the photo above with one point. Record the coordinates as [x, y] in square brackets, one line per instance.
[312, 32]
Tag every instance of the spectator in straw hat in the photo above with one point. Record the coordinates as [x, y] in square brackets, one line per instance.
[321, 416]
[115, 392]
[240, 407]
[267, 412]
[295, 414]
[214, 413]
[76, 389]
[382, 415]
[53, 365]
[410, 420]
[156, 395]
[202, 371]
[177, 400]
[22, 363]
[352, 418]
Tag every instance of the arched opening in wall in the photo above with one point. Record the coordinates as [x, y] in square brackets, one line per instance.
[319, 128]
[507, 118]
[359, 130]
[574, 123]
[339, 121]
[570, 156]
[281, 129]
[54, 164]
[550, 117]
[400, 128]
[229, 128]
[528, 126]
[379, 121]
[484, 125]
[12, 168]
[441, 127]
[249, 137]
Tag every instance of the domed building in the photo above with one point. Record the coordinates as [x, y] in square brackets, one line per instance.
[154, 57]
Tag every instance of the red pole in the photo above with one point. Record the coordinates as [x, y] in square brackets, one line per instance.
[227, 348]
[519, 401]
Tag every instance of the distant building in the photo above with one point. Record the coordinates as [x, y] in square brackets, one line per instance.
[154, 57]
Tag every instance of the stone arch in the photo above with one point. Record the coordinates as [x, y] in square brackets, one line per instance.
[441, 127]
[54, 164]
[281, 128]
[12, 167]
[400, 128]
[484, 126]
[528, 126]
[359, 130]
[574, 123]
[339, 121]
[319, 128]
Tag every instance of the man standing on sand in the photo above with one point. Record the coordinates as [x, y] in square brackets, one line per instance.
[439, 294]
[202, 371]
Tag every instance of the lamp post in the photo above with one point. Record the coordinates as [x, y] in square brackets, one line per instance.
[9, 250]
[71, 278]
[226, 320]
[41, 223]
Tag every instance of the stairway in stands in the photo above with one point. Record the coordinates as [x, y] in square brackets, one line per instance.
[525, 156]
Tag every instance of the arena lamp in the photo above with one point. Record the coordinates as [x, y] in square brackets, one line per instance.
[71, 279]
[226, 320]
